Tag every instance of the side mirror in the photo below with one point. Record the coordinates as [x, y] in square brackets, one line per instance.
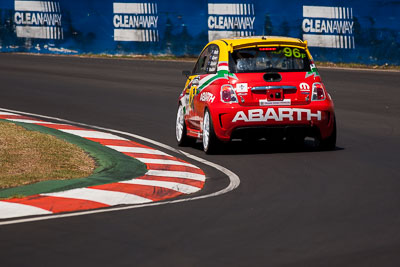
[186, 73]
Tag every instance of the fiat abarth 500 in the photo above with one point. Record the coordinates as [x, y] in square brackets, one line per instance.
[252, 88]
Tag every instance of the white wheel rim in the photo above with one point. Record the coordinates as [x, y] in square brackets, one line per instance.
[206, 130]
[179, 123]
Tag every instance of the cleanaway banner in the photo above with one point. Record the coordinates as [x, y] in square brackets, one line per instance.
[38, 19]
[338, 31]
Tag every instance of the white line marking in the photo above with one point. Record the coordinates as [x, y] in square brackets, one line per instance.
[183, 188]
[8, 113]
[141, 150]
[166, 162]
[234, 180]
[177, 174]
[29, 121]
[102, 196]
[92, 134]
[10, 210]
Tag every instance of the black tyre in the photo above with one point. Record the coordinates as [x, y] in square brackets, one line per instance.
[180, 129]
[329, 143]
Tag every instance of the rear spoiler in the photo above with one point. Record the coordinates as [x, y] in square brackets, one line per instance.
[267, 43]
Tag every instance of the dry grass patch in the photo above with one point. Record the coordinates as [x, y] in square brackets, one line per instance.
[28, 157]
[357, 66]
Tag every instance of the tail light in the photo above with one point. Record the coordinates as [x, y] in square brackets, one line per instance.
[318, 92]
[228, 95]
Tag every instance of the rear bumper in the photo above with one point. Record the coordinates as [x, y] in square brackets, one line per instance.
[257, 132]
[235, 121]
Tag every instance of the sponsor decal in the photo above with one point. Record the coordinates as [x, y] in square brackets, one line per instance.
[207, 97]
[304, 87]
[230, 20]
[313, 72]
[199, 83]
[213, 61]
[38, 19]
[135, 22]
[291, 114]
[193, 92]
[284, 102]
[291, 52]
[330, 27]
[241, 87]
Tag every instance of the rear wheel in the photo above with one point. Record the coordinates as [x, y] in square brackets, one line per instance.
[180, 128]
[211, 143]
[329, 143]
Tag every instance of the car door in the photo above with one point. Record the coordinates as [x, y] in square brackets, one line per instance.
[205, 66]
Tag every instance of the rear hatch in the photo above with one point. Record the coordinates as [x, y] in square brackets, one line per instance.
[271, 75]
[272, 89]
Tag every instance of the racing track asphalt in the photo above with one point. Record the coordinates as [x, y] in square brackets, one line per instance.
[293, 208]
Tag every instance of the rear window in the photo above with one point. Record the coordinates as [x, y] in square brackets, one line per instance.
[267, 59]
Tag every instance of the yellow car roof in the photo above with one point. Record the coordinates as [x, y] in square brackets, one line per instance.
[239, 42]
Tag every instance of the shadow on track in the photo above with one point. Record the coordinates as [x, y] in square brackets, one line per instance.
[237, 147]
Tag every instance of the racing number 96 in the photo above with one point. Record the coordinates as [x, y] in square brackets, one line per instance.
[293, 52]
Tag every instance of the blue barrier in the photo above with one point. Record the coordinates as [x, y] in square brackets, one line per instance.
[338, 31]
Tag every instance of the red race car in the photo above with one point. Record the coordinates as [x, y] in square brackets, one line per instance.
[253, 88]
